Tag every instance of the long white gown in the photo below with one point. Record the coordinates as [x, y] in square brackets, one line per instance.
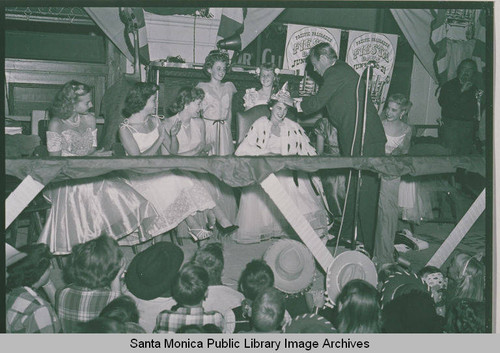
[258, 218]
[83, 209]
[175, 195]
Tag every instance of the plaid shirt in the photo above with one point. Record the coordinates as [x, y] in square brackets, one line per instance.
[78, 304]
[171, 321]
[27, 312]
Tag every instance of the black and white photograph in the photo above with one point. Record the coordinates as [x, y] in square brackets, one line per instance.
[208, 168]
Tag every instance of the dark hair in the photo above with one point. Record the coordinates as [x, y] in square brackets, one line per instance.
[31, 268]
[256, 276]
[465, 62]
[137, 97]
[268, 310]
[413, 312]
[64, 103]
[213, 57]
[94, 264]
[322, 49]
[122, 309]
[190, 285]
[427, 270]
[358, 308]
[185, 96]
[211, 258]
[465, 316]
[101, 325]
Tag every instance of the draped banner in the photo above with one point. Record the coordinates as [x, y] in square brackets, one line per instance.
[363, 47]
[300, 39]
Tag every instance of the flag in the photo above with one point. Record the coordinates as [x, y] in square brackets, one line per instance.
[479, 52]
[438, 44]
[231, 22]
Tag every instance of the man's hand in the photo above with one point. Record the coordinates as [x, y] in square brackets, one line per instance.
[465, 86]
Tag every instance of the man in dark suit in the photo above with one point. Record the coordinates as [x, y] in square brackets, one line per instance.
[344, 98]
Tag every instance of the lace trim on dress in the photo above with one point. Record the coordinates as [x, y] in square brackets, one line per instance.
[54, 141]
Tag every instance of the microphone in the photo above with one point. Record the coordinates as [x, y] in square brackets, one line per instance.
[372, 63]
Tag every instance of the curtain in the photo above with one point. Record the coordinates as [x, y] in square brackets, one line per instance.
[416, 26]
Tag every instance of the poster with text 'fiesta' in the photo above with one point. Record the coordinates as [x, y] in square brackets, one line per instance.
[379, 48]
[299, 40]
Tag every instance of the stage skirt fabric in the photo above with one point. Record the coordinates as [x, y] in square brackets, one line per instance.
[415, 199]
[259, 219]
[175, 196]
[84, 209]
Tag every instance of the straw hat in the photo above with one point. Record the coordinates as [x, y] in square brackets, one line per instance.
[400, 283]
[347, 266]
[283, 95]
[309, 323]
[292, 264]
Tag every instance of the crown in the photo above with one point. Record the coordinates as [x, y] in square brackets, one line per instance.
[283, 95]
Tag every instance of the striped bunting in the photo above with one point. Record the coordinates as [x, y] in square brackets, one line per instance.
[231, 22]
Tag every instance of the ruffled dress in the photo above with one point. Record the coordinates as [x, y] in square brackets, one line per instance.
[258, 217]
[83, 209]
[216, 107]
[254, 97]
[190, 138]
[175, 195]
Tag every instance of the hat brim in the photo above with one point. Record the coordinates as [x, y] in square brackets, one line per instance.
[307, 274]
[149, 291]
[12, 255]
[309, 323]
[400, 283]
[335, 275]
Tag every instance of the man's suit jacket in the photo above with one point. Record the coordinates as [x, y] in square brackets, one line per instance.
[338, 94]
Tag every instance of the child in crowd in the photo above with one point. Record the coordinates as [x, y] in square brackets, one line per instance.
[28, 310]
[357, 308]
[148, 280]
[411, 312]
[190, 288]
[256, 277]
[216, 104]
[101, 325]
[208, 328]
[220, 298]
[93, 277]
[123, 309]
[466, 275]
[268, 311]
[436, 281]
[465, 316]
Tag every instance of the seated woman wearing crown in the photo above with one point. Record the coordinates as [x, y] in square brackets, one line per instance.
[258, 217]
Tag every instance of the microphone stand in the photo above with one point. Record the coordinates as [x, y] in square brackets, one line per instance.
[369, 70]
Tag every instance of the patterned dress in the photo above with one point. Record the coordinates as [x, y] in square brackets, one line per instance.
[254, 97]
[216, 107]
[175, 195]
[258, 217]
[83, 209]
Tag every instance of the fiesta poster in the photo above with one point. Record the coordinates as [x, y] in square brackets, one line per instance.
[363, 47]
[301, 38]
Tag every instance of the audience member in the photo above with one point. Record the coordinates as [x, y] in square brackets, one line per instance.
[220, 298]
[28, 310]
[93, 274]
[123, 309]
[268, 311]
[357, 308]
[466, 276]
[101, 325]
[465, 316]
[437, 283]
[149, 280]
[190, 288]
